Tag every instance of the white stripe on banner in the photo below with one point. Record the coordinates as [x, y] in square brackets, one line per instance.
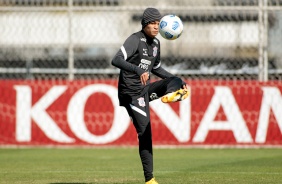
[138, 110]
[124, 52]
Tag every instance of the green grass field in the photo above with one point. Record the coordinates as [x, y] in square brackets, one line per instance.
[122, 165]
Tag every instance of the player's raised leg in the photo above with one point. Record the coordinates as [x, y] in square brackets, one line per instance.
[171, 89]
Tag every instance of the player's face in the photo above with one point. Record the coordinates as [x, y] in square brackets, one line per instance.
[152, 29]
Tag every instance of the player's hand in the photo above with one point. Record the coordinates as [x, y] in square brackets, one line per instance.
[144, 77]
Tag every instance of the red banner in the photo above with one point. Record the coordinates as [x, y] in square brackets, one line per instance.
[87, 112]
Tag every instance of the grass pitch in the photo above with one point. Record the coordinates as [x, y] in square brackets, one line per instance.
[122, 165]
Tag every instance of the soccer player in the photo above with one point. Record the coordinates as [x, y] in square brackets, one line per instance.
[137, 58]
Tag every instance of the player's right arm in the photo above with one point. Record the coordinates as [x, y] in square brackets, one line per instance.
[127, 50]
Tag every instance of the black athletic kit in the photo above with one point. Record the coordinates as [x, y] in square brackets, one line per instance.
[141, 53]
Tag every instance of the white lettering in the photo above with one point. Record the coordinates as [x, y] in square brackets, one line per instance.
[271, 99]
[235, 122]
[24, 113]
[143, 66]
[179, 126]
[75, 114]
[145, 61]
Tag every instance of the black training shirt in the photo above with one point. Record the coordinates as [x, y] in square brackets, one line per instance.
[139, 53]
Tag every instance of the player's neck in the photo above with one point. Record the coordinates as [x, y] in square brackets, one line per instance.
[147, 36]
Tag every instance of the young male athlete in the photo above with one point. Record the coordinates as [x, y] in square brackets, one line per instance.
[137, 58]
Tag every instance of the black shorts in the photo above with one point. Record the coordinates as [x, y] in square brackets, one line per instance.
[139, 110]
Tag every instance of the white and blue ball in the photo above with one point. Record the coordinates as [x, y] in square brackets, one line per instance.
[170, 27]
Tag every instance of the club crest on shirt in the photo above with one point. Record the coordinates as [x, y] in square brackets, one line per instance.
[155, 51]
[141, 102]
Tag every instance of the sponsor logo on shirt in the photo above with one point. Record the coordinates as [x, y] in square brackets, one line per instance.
[154, 96]
[143, 39]
[145, 64]
[145, 61]
[145, 52]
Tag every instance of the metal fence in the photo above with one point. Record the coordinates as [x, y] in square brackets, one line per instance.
[73, 39]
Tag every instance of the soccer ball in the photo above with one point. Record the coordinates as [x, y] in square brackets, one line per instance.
[170, 27]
